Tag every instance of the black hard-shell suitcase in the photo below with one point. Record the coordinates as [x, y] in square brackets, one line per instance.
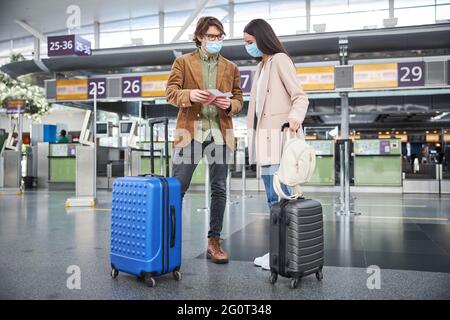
[296, 240]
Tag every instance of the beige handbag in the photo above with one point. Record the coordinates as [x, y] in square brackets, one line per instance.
[297, 164]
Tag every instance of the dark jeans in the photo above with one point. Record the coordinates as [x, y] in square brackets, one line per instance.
[186, 159]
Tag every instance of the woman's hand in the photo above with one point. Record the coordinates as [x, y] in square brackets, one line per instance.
[294, 125]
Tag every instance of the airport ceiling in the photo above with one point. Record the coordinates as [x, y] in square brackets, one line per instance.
[50, 15]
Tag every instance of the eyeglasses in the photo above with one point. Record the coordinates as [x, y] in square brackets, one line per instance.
[212, 37]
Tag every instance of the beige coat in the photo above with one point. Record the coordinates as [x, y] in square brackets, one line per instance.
[281, 98]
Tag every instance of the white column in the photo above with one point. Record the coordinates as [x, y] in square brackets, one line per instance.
[161, 27]
[231, 17]
[96, 35]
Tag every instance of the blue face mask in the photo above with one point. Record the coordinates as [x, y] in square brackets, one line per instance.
[213, 47]
[253, 50]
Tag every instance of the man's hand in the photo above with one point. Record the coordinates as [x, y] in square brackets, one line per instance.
[199, 96]
[222, 102]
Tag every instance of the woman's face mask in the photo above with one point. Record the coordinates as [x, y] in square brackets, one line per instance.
[213, 47]
[253, 50]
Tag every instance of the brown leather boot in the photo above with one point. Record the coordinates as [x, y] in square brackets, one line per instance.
[215, 251]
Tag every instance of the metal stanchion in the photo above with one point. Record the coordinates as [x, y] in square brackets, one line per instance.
[340, 201]
[109, 174]
[345, 183]
[341, 174]
[229, 188]
[19, 152]
[161, 159]
[243, 185]
[207, 193]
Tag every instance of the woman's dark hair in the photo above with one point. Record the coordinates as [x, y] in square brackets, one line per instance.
[63, 132]
[266, 38]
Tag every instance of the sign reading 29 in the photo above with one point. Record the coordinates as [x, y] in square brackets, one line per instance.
[411, 74]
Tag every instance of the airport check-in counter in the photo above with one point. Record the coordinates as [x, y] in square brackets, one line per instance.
[445, 178]
[377, 162]
[2, 138]
[62, 162]
[427, 177]
[324, 173]
[110, 165]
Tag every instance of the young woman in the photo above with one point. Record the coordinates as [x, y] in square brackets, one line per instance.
[276, 98]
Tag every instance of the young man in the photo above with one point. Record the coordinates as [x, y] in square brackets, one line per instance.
[204, 125]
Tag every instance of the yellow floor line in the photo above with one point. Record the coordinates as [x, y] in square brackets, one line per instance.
[77, 209]
[390, 205]
[402, 218]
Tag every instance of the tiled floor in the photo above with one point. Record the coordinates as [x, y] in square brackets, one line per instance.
[407, 236]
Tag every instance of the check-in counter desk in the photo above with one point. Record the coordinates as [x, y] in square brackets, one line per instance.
[2, 140]
[324, 173]
[377, 162]
[445, 181]
[427, 178]
[62, 162]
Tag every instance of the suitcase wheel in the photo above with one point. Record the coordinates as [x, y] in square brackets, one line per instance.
[149, 280]
[114, 273]
[294, 283]
[319, 275]
[177, 275]
[273, 277]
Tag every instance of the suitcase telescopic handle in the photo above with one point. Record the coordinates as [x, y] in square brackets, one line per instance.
[172, 229]
[153, 122]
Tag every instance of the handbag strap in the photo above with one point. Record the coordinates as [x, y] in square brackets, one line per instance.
[297, 193]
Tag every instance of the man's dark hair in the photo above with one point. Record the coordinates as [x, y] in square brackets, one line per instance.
[63, 133]
[266, 38]
[203, 25]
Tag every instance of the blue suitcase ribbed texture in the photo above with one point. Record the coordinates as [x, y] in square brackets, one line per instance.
[146, 225]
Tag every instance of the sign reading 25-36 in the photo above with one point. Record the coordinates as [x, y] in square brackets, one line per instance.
[68, 45]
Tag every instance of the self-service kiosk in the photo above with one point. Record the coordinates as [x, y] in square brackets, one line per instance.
[86, 166]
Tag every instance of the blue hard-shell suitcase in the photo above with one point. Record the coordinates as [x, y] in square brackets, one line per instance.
[146, 224]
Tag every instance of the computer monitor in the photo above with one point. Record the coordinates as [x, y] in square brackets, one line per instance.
[125, 128]
[10, 142]
[102, 129]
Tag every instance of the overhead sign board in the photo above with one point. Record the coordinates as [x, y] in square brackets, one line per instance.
[15, 106]
[74, 89]
[67, 45]
[316, 78]
[380, 75]
[154, 85]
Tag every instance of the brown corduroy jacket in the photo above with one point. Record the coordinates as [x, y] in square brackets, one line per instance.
[185, 76]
